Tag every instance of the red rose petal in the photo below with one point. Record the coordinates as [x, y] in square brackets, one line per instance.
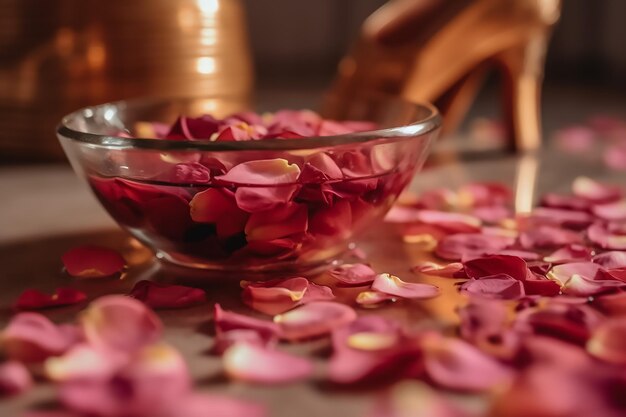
[569, 253]
[580, 286]
[186, 128]
[314, 319]
[497, 264]
[594, 191]
[120, 323]
[92, 262]
[201, 405]
[451, 270]
[499, 286]
[353, 274]
[484, 323]
[449, 222]
[456, 247]
[320, 168]
[277, 296]
[14, 378]
[226, 321]
[561, 217]
[604, 237]
[564, 272]
[455, 364]
[281, 222]
[524, 254]
[31, 338]
[610, 211]
[548, 237]
[485, 194]
[392, 285]
[569, 202]
[34, 299]
[190, 173]
[541, 286]
[373, 298]
[259, 365]
[608, 341]
[437, 199]
[241, 131]
[611, 304]
[492, 214]
[156, 295]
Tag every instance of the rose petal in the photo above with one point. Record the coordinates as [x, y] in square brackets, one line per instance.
[456, 247]
[485, 194]
[202, 405]
[156, 295]
[561, 217]
[602, 236]
[594, 191]
[31, 338]
[580, 286]
[541, 286]
[490, 265]
[319, 168]
[353, 274]
[568, 202]
[83, 361]
[260, 365]
[332, 221]
[611, 304]
[484, 323]
[569, 253]
[548, 237]
[226, 321]
[610, 211]
[437, 199]
[614, 157]
[277, 296]
[218, 206]
[120, 323]
[524, 254]
[451, 270]
[14, 378]
[278, 223]
[34, 299]
[611, 259]
[499, 286]
[492, 214]
[224, 340]
[186, 128]
[564, 272]
[608, 341]
[373, 298]
[449, 222]
[314, 319]
[455, 364]
[575, 139]
[392, 285]
[238, 131]
[92, 262]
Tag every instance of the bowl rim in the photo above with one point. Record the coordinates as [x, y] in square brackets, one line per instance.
[418, 129]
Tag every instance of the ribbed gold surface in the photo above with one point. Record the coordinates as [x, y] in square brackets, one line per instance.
[59, 55]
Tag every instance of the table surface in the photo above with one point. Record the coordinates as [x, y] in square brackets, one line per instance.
[45, 210]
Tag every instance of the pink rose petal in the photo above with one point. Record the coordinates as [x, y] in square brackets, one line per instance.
[392, 285]
[499, 286]
[154, 381]
[611, 259]
[568, 202]
[456, 247]
[580, 286]
[575, 139]
[226, 321]
[120, 323]
[34, 299]
[320, 168]
[455, 364]
[603, 236]
[238, 131]
[255, 364]
[541, 286]
[608, 341]
[353, 274]
[190, 173]
[201, 405]
[610, 211]
[14, 378]
[490, 265]
[564, 272]
[156, 295]
[451, 270]
[92, 262]
[561, 217]
[614, 157]
[373, 298]
[492, 214]
[314, 319]
[224, 340]
[485, 194]
[524, 254]
[548, 237]
[186, 128]
[277, 296]
[437, 199]
[31, 338]
[83, 361]
[484, 323]
[594, 191]
[611, 304]
[569, 253]
[278, 223]
[449, 222]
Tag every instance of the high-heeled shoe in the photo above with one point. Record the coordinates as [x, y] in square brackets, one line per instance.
[439, 51]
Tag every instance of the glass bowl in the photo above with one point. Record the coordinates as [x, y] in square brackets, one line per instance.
[168, 194]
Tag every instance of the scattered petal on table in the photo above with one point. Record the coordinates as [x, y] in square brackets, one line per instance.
[203, 405]
[541, 286]
[610, 211]
[224, 340]
[484, 194]
[580, 286]
[608, 341]
[457, 365]
[120, 323]
[277, 296]
[451, 270]
[548, 237]
[614, 157]
[499, 286]
[561, 217]
[490, 265]
[353, 274]
[564, 272]
[604, 237]
[594, 191]
[83, 361]
[156, 295]
[250, 363]
[575, 139]
[569, 253]
[373, 298]
[611, 259]
[314, 319]
[611, 304]
[456, 247]
[92, 262]
[524, 254]
[392, 285]
[31, 338]
[33, 299]
[569, 202]
[226, 321]
[14, 378]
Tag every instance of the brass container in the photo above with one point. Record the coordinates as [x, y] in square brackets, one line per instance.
[60, 55]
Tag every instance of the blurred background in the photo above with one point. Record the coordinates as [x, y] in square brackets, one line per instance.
[59, 55]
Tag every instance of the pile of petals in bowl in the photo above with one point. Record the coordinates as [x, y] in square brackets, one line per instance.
[238, 209]
[541, 330]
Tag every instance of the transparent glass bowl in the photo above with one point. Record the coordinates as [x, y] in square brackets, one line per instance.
[342, 184]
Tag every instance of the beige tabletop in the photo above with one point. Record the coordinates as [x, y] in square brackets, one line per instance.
[45, 210]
